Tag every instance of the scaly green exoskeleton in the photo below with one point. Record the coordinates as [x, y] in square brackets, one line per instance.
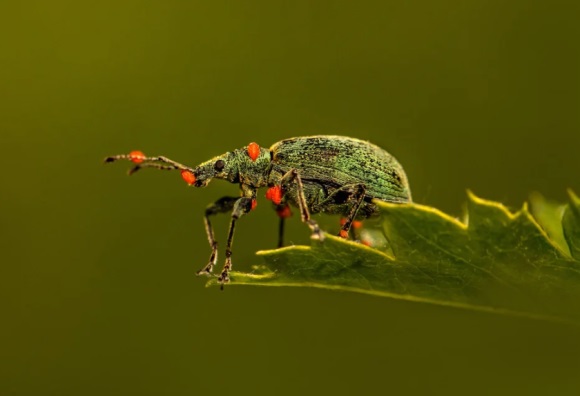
[317, 174]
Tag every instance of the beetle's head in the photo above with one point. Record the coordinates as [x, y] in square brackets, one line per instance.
[221, 167]
[248, 165]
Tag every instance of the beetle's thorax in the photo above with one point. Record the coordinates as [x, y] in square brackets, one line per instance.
[251, 172]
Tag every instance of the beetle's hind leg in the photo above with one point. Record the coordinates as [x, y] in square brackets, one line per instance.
[354, 232]
[357, 198]
[292, 176]
[350, 194]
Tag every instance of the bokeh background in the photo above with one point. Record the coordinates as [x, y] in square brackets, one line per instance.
[97, 288]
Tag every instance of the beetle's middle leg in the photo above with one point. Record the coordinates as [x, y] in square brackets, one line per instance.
[292, 176]
[283, 212]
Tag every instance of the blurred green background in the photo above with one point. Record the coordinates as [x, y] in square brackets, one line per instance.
[97, 288]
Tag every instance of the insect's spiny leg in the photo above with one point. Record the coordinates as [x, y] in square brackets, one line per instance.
[222, 205]
[225, 275]
[242, 206]
[281, 232]
[283, 211]
[358, 197]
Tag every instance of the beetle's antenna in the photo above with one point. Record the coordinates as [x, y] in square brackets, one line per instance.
[159, 162]
[152, 165]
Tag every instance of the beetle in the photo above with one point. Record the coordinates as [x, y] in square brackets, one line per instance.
[316, 174]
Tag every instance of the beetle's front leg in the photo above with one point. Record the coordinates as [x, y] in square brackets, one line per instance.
[222, 205]
[242, 206]
[293, 177]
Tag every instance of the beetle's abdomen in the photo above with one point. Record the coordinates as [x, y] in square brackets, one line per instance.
[335, 161]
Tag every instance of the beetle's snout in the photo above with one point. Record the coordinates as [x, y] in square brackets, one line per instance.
[201, 183]
[200, 177]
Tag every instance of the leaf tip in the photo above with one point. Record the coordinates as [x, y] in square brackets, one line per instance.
[471, 195]
[525, 208]
[474, 199]
[573, 197]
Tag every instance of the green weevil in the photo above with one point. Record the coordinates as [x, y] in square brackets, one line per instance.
[316, 174]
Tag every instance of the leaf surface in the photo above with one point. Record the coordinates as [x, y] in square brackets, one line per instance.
[495, 260]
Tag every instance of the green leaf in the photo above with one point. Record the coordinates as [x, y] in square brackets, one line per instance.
[495, 260]
[571, 223]
[549, 215]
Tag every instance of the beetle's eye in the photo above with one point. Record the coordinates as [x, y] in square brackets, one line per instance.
[219, 165]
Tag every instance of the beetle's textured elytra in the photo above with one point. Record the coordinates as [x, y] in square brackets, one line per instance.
[316, 174]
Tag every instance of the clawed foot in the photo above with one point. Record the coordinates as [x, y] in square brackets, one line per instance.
[225, 275]
[316, 232]
[223, 279]
[207, 270]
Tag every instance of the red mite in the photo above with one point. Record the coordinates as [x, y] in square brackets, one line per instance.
[137, 156]
[285, 212]
[188, 177]
[274, 194]
[253, 151]
[355, 224]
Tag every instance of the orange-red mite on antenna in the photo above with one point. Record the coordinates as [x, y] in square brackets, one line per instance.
[253, 151]
[188, 177]
[136, 156]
